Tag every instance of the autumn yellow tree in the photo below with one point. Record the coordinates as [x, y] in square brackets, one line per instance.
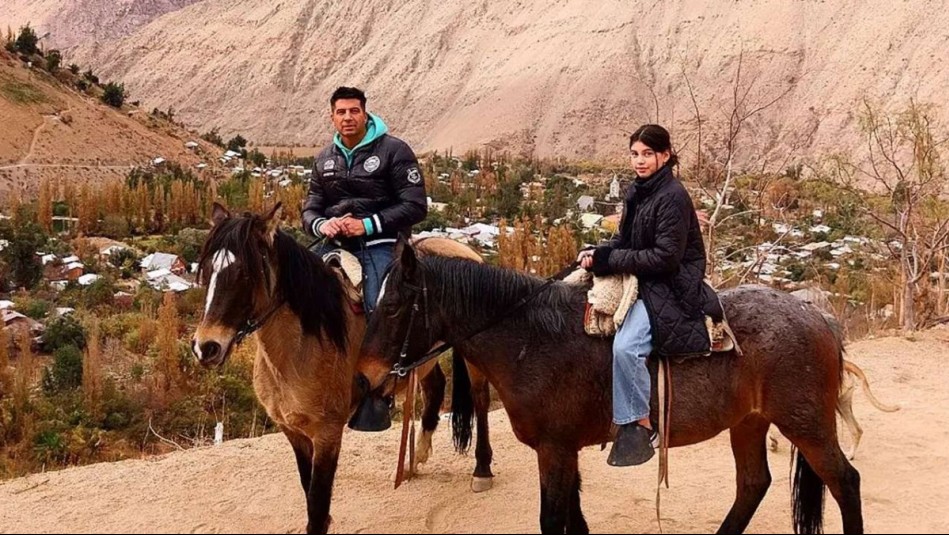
[255, 196]
[561, 250]
[92, 370]
[44, 209]
[25, 376]
[167, 343]
[88, 211]
[6, 379]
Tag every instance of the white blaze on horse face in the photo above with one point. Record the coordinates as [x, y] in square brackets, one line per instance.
[382, 292]
[221, 261]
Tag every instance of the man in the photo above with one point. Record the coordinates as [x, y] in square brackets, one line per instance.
[366, 191]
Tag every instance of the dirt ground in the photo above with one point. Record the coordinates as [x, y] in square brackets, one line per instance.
[251, 486]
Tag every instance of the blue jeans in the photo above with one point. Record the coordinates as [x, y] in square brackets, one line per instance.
[375, 261]
[631, 382]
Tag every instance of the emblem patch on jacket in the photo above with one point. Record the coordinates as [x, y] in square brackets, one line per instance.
[329, 165]
[371, 164]
[414, 176]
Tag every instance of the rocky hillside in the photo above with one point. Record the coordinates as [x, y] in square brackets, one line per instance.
[73, 22]
[553, 77]
[52, 130]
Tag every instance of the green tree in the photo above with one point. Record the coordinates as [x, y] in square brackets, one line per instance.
[64, 331]
[114, 94]
[66, 371]
[257, 158]
[213, 137]
[26, 239]
[53, 59]
[27, 41]
[237, 143]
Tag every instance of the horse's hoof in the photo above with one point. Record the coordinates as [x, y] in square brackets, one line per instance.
[423, 448]
[481, 484]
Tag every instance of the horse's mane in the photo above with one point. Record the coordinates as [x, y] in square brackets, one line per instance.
[311, 290]
[477, 293]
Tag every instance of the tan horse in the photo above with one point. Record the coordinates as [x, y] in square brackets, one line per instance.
[260, 281]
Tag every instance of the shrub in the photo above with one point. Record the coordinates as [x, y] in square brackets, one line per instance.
[65, 372]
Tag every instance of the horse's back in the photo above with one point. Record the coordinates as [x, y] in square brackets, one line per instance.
[448, 248]
[790, 350]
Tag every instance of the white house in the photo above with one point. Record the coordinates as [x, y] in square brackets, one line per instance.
[586, 203]
[590, 221]
[171, 262]
[88, 279]
[191, 145]
[168, 282]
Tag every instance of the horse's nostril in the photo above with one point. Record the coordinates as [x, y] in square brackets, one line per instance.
[209, 351]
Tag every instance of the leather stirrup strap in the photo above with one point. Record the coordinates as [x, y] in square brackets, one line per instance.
[665, 421]
[408, 431]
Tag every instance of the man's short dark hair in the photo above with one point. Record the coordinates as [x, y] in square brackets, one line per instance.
[348, 93]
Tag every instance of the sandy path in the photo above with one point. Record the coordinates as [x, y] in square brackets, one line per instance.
[251, 486]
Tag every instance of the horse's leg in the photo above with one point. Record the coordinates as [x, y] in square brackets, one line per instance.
[303, 451]
[558, 477]
[483, 479]
[749, 445]
[325, 459]
[828, 462]
[845, 409]
[433, 395]
[575, 521]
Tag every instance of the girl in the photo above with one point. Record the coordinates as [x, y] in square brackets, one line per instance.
[660, 242]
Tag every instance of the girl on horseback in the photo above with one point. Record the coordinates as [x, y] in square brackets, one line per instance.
[660, 241]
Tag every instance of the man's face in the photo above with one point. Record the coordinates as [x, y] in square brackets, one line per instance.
[349, 117]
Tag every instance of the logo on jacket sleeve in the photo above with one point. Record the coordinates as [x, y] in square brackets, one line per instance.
[414, 176]
[329, 165]
[371, 164]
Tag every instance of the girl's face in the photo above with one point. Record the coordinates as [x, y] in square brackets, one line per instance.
[646, 161]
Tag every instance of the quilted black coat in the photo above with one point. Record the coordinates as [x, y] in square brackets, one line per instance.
[660, 242]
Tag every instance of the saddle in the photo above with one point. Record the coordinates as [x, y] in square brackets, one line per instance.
[610, 298]
[347, 267]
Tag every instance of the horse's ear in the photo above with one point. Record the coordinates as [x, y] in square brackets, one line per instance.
[219, 214]
[407, 258]
[272, 220]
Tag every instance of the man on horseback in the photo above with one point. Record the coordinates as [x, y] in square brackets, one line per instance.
[366, 191]
[660, 242]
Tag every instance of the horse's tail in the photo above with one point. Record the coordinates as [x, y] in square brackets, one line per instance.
[838, 330]
[807, 497]
[462, 404]
[855, 370]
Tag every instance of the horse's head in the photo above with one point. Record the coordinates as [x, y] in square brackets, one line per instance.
[404, 327]
[238, 266]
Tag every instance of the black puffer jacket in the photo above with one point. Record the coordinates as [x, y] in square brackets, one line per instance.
[660, 242]
[384, 184]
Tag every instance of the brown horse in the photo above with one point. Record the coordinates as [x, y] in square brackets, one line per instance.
[260, 279]
[555, 382]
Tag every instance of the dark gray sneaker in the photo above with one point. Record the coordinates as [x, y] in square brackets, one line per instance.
[634, 445]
